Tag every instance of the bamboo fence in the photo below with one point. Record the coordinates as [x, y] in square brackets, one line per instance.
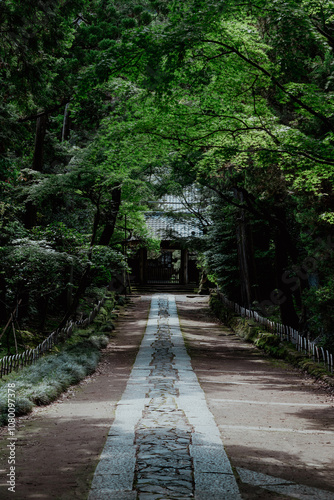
[286, 333]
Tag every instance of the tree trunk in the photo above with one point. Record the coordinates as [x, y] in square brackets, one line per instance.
[37, 163]
[285, 291]
[30, 217]
[86, 277]
[109, 227]
[244, 256]
[83, 284]
[3, 309]
[65, 133]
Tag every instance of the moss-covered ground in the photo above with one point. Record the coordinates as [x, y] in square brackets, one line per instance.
[67, 364]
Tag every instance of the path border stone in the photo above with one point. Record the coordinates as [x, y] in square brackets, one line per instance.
[115, 472]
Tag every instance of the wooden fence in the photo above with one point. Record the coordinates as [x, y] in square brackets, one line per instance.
[286, 333]
[30, 356]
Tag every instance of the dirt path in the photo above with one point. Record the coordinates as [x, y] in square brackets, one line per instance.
[58, 446]
[275, 424]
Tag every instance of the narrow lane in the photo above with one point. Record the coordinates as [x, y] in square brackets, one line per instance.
[164, 442]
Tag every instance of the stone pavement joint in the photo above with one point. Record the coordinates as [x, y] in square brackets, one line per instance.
[164, 442]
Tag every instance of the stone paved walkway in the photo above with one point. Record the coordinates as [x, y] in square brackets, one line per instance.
[164, 443]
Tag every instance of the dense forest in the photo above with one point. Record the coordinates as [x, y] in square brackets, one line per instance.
[106, 105]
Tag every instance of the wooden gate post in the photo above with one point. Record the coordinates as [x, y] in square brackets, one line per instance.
[184, 278]
[143, 266]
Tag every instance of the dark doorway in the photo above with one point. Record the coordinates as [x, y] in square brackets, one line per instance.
[165, 268]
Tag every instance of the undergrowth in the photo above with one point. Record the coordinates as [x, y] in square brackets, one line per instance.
[43, 382]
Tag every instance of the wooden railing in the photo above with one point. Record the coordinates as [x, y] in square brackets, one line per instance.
[286, 333]
[30, 356]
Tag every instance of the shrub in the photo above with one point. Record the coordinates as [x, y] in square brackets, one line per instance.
[99, 341]
[23, 406]
[43, 382]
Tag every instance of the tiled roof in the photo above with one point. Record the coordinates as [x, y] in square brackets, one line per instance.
[166, 228]
[184, 224]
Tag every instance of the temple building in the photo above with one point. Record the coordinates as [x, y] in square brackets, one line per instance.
[173, 221]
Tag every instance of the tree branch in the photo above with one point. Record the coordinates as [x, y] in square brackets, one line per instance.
[260, 68]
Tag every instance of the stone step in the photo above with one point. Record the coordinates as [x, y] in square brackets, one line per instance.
[164, 288]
